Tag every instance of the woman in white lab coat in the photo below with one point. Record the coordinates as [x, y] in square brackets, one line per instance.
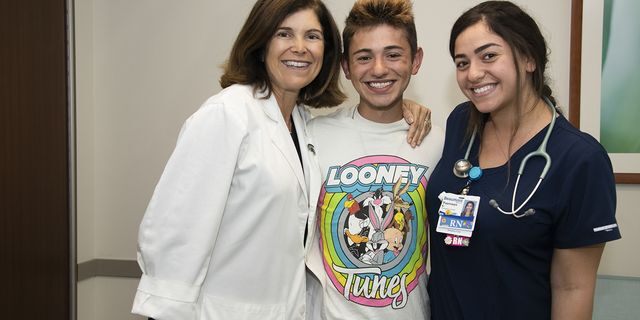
[223, 235]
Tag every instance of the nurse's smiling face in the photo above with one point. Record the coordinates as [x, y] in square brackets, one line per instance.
[294, 54]
[486, 69]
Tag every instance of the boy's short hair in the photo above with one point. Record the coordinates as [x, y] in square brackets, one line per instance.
[371, 13]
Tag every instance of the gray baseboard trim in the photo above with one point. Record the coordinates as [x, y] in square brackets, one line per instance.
[627, 278]
[108, 268]
[130, 269]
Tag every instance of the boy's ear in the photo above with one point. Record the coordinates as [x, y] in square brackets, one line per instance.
[417, 61]
[345, 68]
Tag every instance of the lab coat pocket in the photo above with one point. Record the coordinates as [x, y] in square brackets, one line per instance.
[218, 308]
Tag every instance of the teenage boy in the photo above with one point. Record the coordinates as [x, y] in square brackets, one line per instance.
[369, 249]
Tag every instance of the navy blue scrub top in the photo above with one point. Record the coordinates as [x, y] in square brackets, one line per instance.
[505, 271]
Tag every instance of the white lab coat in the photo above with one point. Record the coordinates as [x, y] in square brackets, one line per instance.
[222, 237]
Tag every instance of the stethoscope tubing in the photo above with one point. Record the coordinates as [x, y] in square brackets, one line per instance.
[540, 152]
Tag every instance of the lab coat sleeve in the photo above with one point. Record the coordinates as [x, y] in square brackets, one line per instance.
[179, 229]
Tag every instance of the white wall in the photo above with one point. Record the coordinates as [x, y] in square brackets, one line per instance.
[103, 298]
[85, 130]
[618, 258]
[144, 66]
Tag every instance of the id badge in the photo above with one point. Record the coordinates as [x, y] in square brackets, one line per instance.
[457, 218]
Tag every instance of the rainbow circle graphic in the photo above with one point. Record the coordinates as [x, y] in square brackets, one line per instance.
[338, 251]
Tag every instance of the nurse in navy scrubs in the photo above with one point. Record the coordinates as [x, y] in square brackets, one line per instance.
[540, 228]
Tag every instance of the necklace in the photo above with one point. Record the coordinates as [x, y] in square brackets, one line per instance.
[514, 143]
[495, 133]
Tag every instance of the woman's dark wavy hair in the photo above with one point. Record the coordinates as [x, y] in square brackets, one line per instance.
[245, 64]
[523, 35]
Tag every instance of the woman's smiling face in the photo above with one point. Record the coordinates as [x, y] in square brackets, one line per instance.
[485, 68]
[294, 54]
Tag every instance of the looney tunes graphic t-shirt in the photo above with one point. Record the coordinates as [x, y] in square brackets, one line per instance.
[371, 236]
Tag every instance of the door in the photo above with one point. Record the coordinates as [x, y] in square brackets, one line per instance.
[35, 232]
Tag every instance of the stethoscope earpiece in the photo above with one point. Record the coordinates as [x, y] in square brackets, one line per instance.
[529, 212]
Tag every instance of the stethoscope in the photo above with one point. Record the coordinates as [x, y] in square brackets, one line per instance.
[463, 168]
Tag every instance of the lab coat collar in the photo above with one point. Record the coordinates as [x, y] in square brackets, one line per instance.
[281, 138]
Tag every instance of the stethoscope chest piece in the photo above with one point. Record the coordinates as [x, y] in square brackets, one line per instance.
[461, 168]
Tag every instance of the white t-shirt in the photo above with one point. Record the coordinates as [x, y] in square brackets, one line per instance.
[369, 251]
